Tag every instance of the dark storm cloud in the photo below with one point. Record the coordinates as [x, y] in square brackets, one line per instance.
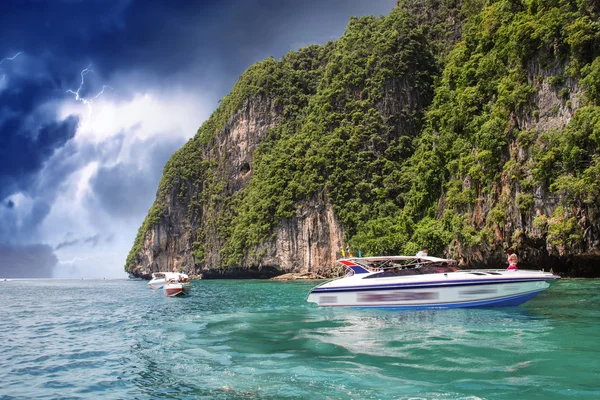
[29, 261]
[127, 189]
[30, 132]
[202, 39]
[23, 153]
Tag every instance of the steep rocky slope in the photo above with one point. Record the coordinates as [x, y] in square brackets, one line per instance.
[468, 127]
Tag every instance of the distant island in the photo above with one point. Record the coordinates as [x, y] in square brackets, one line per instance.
[465, 126]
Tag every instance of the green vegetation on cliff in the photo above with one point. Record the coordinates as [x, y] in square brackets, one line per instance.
[350, 137]
[422, 126]
[485, 97]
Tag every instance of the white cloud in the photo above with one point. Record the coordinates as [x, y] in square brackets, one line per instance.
[111, 134]
[146, 113]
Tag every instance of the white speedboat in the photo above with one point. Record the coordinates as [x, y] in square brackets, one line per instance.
[159, 279]
[405, 282]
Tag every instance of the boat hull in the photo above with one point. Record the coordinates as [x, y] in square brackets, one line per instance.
[177, 289]
[443, 292]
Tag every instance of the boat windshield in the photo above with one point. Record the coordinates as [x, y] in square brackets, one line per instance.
[414, 270]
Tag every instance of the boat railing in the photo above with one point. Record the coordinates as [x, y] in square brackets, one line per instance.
[409, 264]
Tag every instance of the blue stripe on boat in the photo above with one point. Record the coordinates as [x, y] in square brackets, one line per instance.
[496, 302]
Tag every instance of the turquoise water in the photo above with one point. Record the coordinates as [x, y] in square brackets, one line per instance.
[261, 340]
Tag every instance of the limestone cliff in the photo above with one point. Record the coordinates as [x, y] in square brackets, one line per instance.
[304, 242]
[463, 126]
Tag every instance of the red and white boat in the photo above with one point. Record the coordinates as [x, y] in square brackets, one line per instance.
[173, 289]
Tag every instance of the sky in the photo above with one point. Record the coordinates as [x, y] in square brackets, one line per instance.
[95, 95]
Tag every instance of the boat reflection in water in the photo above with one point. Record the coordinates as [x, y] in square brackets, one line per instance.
[406, 282]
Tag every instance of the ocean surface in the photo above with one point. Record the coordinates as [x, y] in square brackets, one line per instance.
[235, 339]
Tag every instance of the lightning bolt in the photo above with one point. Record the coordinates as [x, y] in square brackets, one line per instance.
[94, 257]
[9, 59]
[87, 101]
[78, 259]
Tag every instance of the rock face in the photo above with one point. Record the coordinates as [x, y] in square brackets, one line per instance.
[308, 242]
[167, 245]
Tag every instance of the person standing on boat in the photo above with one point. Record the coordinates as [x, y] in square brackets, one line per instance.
[422, 253]
[512, 260]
